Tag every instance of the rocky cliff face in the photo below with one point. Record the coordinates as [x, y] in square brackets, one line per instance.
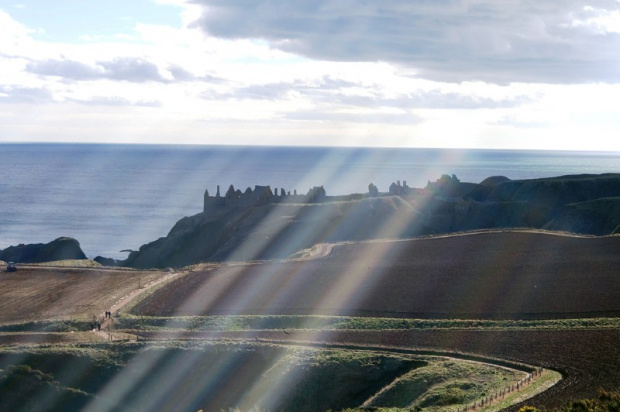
[276, 231]
[236, 231]
[62, 248]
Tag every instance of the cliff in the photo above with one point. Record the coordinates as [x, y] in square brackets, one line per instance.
[63, 248]
[275, 231]
[261, 224]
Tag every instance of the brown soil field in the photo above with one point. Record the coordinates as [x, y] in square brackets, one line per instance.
[504, 275]
[35, 293]
[508, 275]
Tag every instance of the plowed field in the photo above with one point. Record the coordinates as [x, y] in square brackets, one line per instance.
[507, 275]
[489, 275]
[512, 275]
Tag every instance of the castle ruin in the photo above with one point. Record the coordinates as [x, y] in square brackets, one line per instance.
[261, 195]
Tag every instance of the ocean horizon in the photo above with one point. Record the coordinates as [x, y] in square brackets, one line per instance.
[113, 197]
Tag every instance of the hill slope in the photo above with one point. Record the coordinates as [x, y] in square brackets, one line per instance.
[512, 275]
[275, 231]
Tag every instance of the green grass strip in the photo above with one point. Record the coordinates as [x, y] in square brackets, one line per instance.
[274, 322]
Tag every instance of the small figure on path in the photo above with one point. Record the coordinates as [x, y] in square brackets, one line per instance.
[99, 326]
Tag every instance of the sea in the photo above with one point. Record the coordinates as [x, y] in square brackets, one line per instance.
[115, 198]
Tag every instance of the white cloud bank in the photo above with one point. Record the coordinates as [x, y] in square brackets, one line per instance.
[459, 73]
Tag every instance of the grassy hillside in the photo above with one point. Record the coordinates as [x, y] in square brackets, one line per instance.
[218, 376]
[598, 217]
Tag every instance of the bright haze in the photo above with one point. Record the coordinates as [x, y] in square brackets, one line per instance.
[405, 73]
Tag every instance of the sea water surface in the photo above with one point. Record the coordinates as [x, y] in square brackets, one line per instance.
[116, 197]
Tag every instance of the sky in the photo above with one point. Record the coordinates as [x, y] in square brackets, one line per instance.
[510, 74]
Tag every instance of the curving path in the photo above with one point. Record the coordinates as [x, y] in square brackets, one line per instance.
[122, 302]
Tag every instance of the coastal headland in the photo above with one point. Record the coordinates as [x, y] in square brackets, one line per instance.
[265, 224]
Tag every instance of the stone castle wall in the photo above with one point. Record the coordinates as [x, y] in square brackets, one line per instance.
[261, 195]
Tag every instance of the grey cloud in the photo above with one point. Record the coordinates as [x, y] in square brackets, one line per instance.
[374, 118]
[445, 40]
[436, 100]
[180, 73]
[128, 69]
[125, 69]
[10, 94]
[271, 91]
[115, 102]
[132, 70]
[325, 86]
[515, 122]
[330, 90]
[65, 68]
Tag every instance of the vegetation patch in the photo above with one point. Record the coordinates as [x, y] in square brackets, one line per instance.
[276, 322]
[446, 383]
[222, 375]
[47, 326]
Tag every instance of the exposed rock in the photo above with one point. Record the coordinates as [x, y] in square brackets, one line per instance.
[258, 225]
[276, 231]
[63, 248]
[104, 261]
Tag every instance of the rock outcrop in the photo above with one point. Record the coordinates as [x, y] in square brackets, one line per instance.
[104, 261]
[63, 248]
[275, 231]
[261, 224]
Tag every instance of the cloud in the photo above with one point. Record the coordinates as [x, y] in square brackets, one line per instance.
[28, 95]
[279, 90]
[124, 68]
[435, 99]
[114, 102]
[357, 118]
[513, 121]
[442, 40]
[132, 70]
[66, 69]
[328, 90]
